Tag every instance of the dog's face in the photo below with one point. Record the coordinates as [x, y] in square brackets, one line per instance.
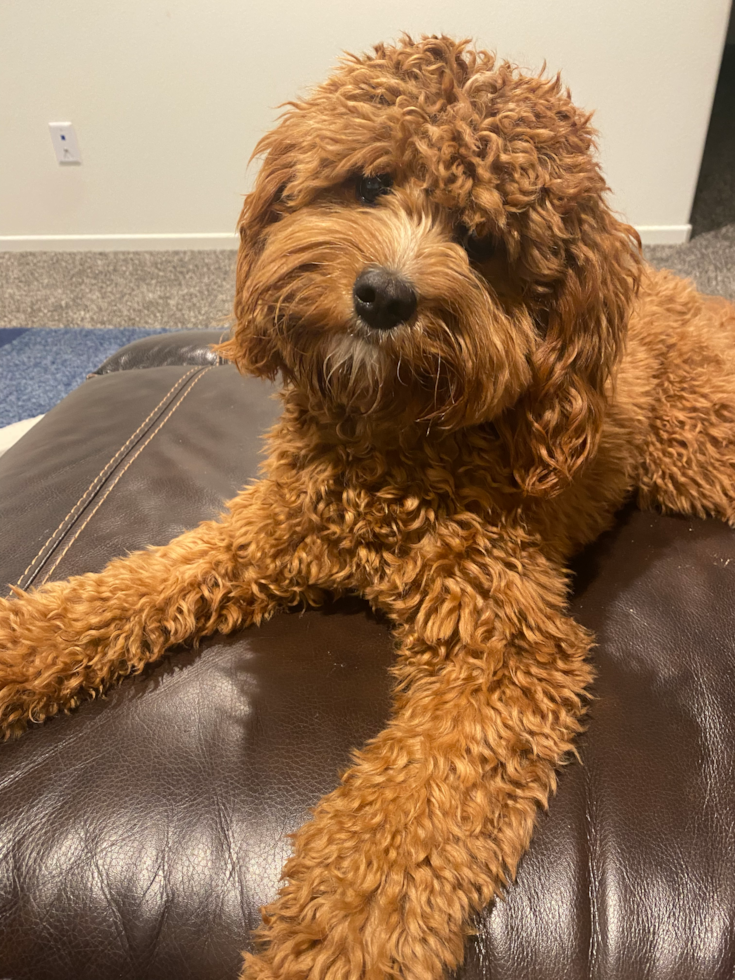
[427, 242]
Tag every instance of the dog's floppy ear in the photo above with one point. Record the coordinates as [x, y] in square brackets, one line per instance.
[591, 269]
[251, 345]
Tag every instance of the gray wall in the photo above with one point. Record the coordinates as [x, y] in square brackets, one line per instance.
[169, 98]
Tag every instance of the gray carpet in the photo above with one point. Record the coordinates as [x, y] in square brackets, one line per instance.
[709, 260]
[187, 290]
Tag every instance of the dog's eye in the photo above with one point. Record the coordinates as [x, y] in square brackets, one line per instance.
[369, 189]
[477, 249]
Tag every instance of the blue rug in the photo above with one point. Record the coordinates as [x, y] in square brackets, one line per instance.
[39, 366]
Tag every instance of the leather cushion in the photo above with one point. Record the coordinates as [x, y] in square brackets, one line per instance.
[139, 835]
[181, 347]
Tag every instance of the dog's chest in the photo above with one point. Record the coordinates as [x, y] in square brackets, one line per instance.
[392, 510]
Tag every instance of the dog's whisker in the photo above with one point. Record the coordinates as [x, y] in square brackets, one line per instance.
[436, 384]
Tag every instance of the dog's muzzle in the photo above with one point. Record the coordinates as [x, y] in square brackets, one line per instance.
[382, 298]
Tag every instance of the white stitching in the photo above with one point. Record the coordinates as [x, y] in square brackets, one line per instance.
[112, 485]
[102, 471]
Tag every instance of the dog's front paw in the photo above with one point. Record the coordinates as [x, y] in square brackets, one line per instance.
[15, 669]
[33, 671]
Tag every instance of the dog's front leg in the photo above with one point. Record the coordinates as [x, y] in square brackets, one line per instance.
[69, 640]
[430, 822]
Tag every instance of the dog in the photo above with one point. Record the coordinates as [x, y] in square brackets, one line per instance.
[478, 370]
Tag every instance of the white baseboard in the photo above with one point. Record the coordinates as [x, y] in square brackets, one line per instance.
[650, 235]
[117, 243]
[664, 234]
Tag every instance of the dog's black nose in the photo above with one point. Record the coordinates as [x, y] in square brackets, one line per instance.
[383, 299]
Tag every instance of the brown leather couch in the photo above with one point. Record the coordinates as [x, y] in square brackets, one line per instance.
[140, 834]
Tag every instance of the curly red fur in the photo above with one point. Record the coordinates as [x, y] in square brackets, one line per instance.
[445, 469]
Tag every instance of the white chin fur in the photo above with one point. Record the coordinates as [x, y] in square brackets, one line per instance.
[355, 361]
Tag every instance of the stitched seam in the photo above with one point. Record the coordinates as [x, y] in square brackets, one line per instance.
[120, 474]
[102, 472]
